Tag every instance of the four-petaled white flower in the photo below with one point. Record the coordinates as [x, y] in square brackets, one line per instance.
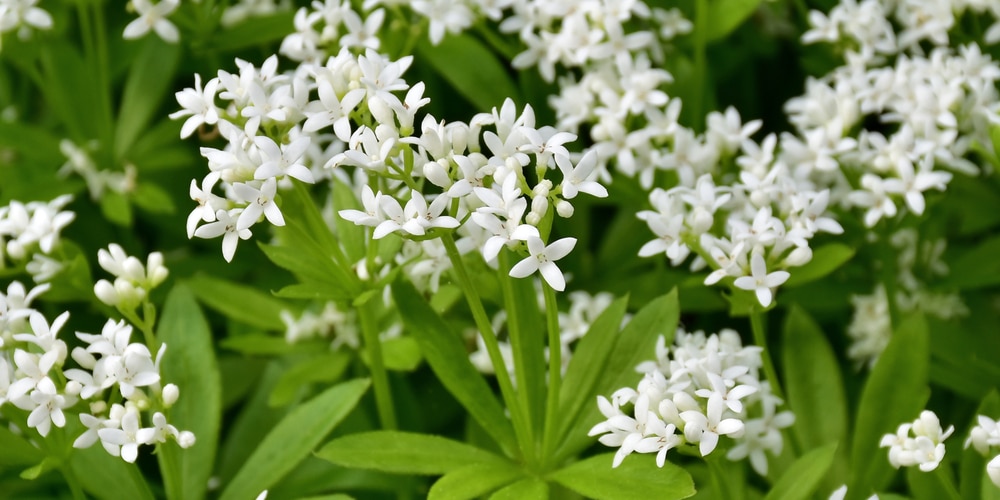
[153, 16]
[542, 259]
[760, 281]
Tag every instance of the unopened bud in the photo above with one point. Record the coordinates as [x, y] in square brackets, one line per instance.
[533, 219]
[564, 209]
[73, 388]
[185, 439]
[170, 394]
[799, 257]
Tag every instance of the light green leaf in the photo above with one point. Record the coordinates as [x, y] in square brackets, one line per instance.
[251, 424]
[149, 78]
[253, 32]
[404, 453]
[116, 209]
[190, 363]
[324, 367]
[259, 344]
[308, 289]
[351, 235]
[473, 481]
[826, 259]
[973, 465]
[530, 488]
[17, 450]
[726, 15]
[804, 476]
[813, 382]
[486, 86]
[445, 352]
[895, 393]
[153, 199]
[400, 354]
[934, 485]
[634, 478]
[293, 439]
[239, 302]
[97, 470]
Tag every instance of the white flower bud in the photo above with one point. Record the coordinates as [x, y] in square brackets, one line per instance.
[117, 412]
[382, 111]
[532, 219]
[542, 188]
[73, 388]
[760, 199]
[155, 270]
[700, 220]
[133, 270]
[799, 257]
[83, 358]
[512, 164]
[437, 173]
[564, 209]
[540, 205]
[106, 293]
[98, 407]
[185, 439]
[170, 394]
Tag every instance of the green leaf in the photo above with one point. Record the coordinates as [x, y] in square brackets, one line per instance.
[978, 267]
[153, 199]
[116, 208]
[933, 485]
[400, 354]
[634, 478]
[251, 424]
[254, 32]
[726, 15]
[17, 450]
[804, 476]
[325, 367]
[351, 235]
[445, 352]
[190, 363]
[149, 78]
[586, 367]
[107, 477]
[895, 393]
[530, 488]
[310, 290]
[239, 302]
[826, 259]
[487, 86]
[293, 439]
[404, 453]
[473, 481]
[813, 382]
[257, 344]
[635, 344]
[973, 465]
[526, 329]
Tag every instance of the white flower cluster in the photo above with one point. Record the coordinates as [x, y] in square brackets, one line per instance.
[704, 387]
[924, 448]
[133, 280]
[241, 10]
[331, 321]
[326, 27]
[23, 16]
[29, 232]
[985, 438]
[80, 162]
[917, 264]
[33, 378]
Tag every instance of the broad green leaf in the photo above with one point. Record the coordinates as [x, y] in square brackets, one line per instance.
[934, 485]
[337, 496]
[17, 450]
[293, 439]
[813, 383]
[325, 367]
[973, 465]
[153, 199]
[826, 259]
[726, 15]
[894, 394]
[190, 363]
[149, 78]
[805, 475]
[634, 478]
[258, 344]
[253, 32]
[530, 488]
[116, 208]
[239, 302]
[404, 453]
[310, 290]
[74, 99]
[586, 367]
[635, 344]
[107, 477]
[473, 481]
[978, 267]
[487, 86]
[251, 424]
[445, 352]
[400, 354]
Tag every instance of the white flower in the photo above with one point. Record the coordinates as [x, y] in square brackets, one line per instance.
[993, 470]
[125, 441]
[153, 16]
[225, 226]
[198, 105]
[705, 428]
[925, 449]
[760, 281]
[261, 202]
[542, 258]
[286, 160]
[580, 178]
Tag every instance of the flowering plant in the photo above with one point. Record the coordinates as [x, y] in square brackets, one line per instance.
[499, 248]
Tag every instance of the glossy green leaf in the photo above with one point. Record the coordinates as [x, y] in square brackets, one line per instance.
[190, 363]
[404, 453]
[473, 481]
[293, 439]
[895, 393]
[526, 330]
[311, 290]
[239, 302]
[826, 259]
[149, 78]
[97, 470]
[255, 419]
[636, 477]
[485, 87]
[530, 488]
[813, 383]
[805, 475]
[446, 354]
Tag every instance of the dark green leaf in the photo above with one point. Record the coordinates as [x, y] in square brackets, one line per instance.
[530, 488]
[978, 267]
[485, 87]
[446, 354]
[153, 199]
[239, 302]
[826, 259]
[107, 477]
[254, 32]
[894, 394]
[293, 439]
[149, 78]
[116, 209]
[726, 15]
[404, 453]
[804, 476]
[190, 363]
[473, 481]
[634, 478]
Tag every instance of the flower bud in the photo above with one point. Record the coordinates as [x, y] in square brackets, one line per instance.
[437, 173]
[170, 394]
[533, 219]
[106, 293]
[564, 209]
[799, 257]
[83, 358]
[539, 205]
[185, 439]
[98, 407]
[73, 388]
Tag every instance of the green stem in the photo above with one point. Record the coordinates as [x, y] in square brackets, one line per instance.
[103, 74]
[888, 278]
[517, 412]
[380, 378]
[517, 342]
[73, 482]
[555, 370]
[760, 338]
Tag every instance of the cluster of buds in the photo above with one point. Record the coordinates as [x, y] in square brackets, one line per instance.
[919, 443]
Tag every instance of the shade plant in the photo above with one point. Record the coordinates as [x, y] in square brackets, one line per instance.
[499, 249]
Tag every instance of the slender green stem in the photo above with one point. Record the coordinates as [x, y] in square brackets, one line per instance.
[888, 277]
[700, 69]
[517, 342]
[73, 482]
[517, 411]
[103, 73]
[757, 317]
[58, 446]
[555, 370]
[380, 378]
